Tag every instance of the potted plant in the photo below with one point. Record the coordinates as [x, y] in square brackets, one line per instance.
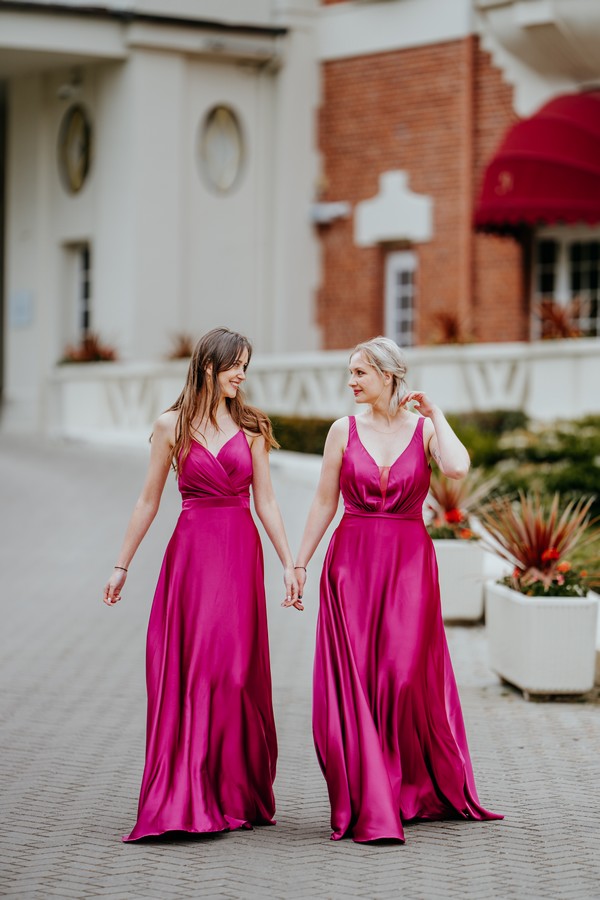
[182, 345]
[460, 555]
[89, 349]
[541, 619]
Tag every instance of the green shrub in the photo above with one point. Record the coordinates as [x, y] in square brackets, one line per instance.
[481, 433]
[496, 421]
[573, 480]
[587, 557]
[301, 435]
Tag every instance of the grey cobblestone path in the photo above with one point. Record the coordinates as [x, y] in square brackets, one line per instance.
[73, 709]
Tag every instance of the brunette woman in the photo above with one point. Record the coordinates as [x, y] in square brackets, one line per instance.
[211, 746]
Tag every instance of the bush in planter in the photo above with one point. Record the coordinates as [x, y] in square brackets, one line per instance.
[459, 555]
[535, 536]
[90, 349]
[182, 346]
[451, 502]
[541, 620]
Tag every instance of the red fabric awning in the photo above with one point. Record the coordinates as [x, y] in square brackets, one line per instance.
[546, 170]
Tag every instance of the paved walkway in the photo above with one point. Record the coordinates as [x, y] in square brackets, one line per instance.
[72, 746]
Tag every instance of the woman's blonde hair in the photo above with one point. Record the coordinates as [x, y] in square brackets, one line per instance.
[216, 352]
[386, 357]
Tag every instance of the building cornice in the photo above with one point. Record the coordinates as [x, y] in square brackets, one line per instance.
[129, 16]
[353, 29]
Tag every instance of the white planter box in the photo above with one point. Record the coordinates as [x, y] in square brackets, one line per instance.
[461, 571]
[543, 645]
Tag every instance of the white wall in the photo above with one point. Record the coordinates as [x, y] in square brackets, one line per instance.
[25, 362]
[168, 254]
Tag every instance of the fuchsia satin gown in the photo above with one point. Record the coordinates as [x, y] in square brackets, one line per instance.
[211, 747]
[387, 721]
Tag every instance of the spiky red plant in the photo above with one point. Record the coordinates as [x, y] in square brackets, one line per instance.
[447, 496]
[182, 346]
[90, 349]
[558, 320]
[533, 534]
[452, 501]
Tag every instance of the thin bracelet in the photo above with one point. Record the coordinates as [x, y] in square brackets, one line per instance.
[300, 567]
[122, 568]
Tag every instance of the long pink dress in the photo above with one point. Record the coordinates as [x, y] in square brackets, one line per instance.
[387, 721]
[211, 747]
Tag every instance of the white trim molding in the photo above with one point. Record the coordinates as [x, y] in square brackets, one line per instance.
[395, 214]
[543, 48]
[358, 28]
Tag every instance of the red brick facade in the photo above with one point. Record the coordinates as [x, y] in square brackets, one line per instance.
[437, 112]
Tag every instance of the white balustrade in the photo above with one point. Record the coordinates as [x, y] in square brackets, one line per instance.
[547, 380]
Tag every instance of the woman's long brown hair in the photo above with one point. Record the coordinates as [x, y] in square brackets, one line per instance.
[218, 351]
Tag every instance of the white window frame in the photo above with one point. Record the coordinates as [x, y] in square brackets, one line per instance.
[564, 235]
[396, 263]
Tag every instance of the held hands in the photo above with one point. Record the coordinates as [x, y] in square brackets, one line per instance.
[421, 401]
[293, 591]
[112, 590]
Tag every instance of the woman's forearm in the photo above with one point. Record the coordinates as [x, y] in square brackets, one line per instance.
[319, 518]
[269, 514]
[141, 519]
[450, 454]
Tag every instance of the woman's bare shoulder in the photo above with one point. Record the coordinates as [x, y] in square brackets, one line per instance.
[165, 425]
[339, 428]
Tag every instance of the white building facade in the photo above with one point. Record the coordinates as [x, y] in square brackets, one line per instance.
[161, 168]
[159, 164]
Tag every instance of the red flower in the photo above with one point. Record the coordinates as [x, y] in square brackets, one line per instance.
[550, 555]
[563, 566]
[516, 573]
[465, 533]
[453, 516]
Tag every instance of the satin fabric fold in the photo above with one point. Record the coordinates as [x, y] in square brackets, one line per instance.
[211, 747]
[387, 722]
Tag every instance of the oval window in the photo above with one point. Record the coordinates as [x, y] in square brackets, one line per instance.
[74, 148]
[221, 149]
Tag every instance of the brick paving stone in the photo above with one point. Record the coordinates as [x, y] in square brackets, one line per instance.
[73, 717]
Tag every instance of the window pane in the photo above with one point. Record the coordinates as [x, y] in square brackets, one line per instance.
[399, 297]
[575, 252]
[547, 252]
[546, 282]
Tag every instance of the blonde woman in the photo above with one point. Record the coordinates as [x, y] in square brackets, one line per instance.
[387, 722]
[211, 747]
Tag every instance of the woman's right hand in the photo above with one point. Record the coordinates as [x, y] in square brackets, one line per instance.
[114, 585]
[301, 579]
[293, 594]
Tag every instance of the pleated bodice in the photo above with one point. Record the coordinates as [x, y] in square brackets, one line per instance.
[399, 489]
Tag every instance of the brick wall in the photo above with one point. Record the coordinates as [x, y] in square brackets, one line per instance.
[438, 112]
[501, 297]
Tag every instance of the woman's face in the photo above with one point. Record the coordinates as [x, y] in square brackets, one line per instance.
[365, 382]
[230, 380]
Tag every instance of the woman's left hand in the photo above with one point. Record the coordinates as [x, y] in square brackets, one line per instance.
[422, 402]
[291, 589]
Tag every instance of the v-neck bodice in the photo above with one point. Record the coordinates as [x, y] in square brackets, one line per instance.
[399, 489]
[205, 476]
